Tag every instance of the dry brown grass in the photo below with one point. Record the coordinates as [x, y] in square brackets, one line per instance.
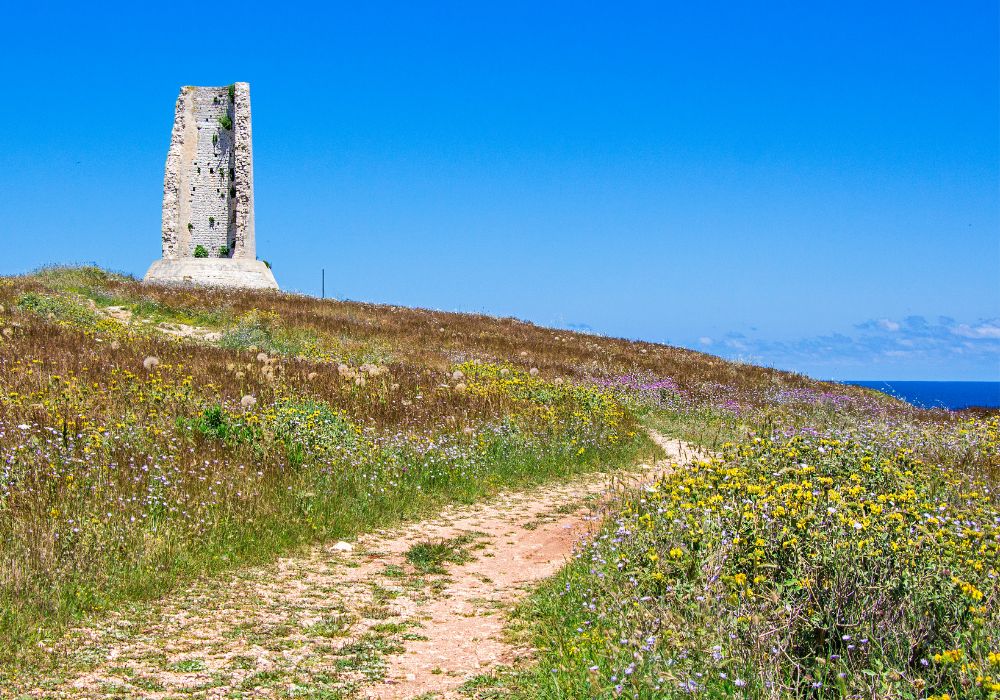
[436, 340]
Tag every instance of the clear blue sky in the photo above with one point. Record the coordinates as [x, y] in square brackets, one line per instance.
[807, 185]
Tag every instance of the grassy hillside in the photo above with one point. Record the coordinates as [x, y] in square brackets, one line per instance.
[150, 434]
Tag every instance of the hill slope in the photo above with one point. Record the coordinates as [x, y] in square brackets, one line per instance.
[150, 435]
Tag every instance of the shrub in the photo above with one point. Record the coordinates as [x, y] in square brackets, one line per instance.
[819, 565]
[226, 122]
[200, 251]
[224, 251]
[216, 423]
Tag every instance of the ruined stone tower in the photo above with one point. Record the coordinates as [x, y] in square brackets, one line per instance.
[208, 227]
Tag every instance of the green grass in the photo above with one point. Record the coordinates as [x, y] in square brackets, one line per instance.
[430, 557]
[703, 426]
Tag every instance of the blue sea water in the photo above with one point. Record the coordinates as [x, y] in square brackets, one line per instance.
[953, 395]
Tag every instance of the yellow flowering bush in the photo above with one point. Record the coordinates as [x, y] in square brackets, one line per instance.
[795, 564]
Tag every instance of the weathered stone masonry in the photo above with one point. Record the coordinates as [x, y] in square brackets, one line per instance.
[208, 191]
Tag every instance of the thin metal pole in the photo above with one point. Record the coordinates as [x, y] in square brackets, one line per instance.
[323, 285]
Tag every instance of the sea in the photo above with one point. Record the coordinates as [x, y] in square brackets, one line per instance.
[952, 395]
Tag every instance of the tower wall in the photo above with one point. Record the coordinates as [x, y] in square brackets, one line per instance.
[208, 181]
[208, 192]
[243, 230]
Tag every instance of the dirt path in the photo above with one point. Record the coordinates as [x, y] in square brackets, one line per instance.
[414, 612]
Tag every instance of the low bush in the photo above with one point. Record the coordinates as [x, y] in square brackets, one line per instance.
[802, 565]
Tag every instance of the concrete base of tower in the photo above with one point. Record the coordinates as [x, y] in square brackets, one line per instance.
[214, 272]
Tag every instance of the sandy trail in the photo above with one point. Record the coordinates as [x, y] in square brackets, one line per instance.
[338, 624]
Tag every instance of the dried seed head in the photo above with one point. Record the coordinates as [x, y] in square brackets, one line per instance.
[460, 387]
[115, 345]
[151, 363]
[524, 353]
[504, 372]
[457, 375]
[558, 381]
[312, 375]
[262, 357]
[533, 371]
[467, 430]
[248, 401]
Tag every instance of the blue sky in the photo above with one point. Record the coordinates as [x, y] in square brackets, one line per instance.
[812, 186]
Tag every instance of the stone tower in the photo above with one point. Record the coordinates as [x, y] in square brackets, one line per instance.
[208, 228]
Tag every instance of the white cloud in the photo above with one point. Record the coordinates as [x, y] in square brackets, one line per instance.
[986, 329]
[705, 340]
[910, 343]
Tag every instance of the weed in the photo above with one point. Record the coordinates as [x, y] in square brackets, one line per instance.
[188, 666]
[430, 557]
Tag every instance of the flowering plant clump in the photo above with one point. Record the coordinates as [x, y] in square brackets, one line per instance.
[586, 414]
[793, 565]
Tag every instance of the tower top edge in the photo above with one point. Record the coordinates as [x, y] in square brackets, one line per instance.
[238, 83]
